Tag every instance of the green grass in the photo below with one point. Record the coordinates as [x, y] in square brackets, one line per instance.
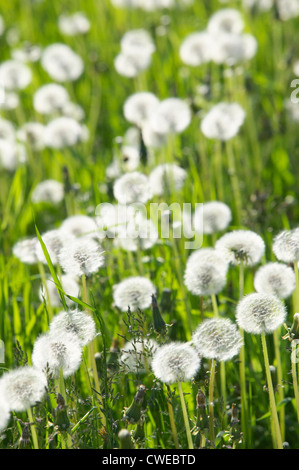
[266, 154]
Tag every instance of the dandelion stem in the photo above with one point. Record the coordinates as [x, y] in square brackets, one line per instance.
[235, 182]
[33, 430]
[279, 382]
[271, 395]
[44, 282]
[242, 361]
[211, 399]
[294, 376]
[185, 415]
[172, 421]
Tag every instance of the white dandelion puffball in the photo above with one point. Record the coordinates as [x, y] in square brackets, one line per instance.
[261, 5]
[231, 49]
[27, 53]
[286, 246]
[33, 135]
[130, 64]
[134, 292]
[211, 217]
[226, 20]
[51, 191]
[132, 187]
[223, 121]
[136, 353]
[75, 322]
[112, 218]
[137, 41]
[138, 233]
[288, 9]
[172, 116]
[12, 154]
[241, 246]
[23, 387]
[167, 177]
[7, 130]
[4, 414]
[51, 354]
[217, 338]
[14, 75]
[69, 285]
[196, 49]
[74, 24]
[64, 132]
[130, 158]
[175, 362]
[9, 101]
[207, 255]
[50, 98]
[25, 250]
[203, 276]
[81, 226]
[139, 107]
[62, 63]
[260, 313]
[54, 241]
[73, 110]
[276, 279]
[152, 138]
[81, 256]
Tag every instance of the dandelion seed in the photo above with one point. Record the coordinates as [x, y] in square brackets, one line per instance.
[76, 322]
[241, 246]
[51, 354]
[50, 98]
[139, 107]
[175, 362]
[165, 177]
[223, 121]
[69, 285]
[211, 217]
[50, 191]
[64, 132]
[23, 387]
[259, 313]
[196, 49]
[81, 256]
[73, 25]
[217, 338]
[172, 116]
[136, 355]
[276, 279]
[14, 75]
[33, 135]
[226, 20]
[62, 63]
[25, 250]
[132, 187]
[134, 292]
[286, 246]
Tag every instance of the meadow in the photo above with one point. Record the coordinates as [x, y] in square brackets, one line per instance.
[149, 240]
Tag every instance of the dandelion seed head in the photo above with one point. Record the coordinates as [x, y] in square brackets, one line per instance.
[139, 107]
[260, 313]
[4, 414]
[81, 256]
[137, 41]
[211, 217]
[175, 362]
[223, 121]
[7, 130]
[81, 225]
[138, 233]
[226, 20]
[50, 98]
[25, 250]
[64, 132]
[286, 246]
[33, 135]
[130, 64]
[23, 387]
[276, 279]
[172, 116]
[69, 285]
[204, 277]
[75, 322]
[62, 63]
[55, 240]
[72, 25]
[196, 49]
[167, 176]
[288, 9]
[217, 338]
[134, 292]
[241, 246]
[12, 154]
[50, 191]
[132, 187]
[52, 353]
[14, 75]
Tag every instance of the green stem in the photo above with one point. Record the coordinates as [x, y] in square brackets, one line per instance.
[172, 422]
[294, 376]
[33, 430]
[234, 182]
[280, 391]
[211, 399]
[185, 415]
[277, 432]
